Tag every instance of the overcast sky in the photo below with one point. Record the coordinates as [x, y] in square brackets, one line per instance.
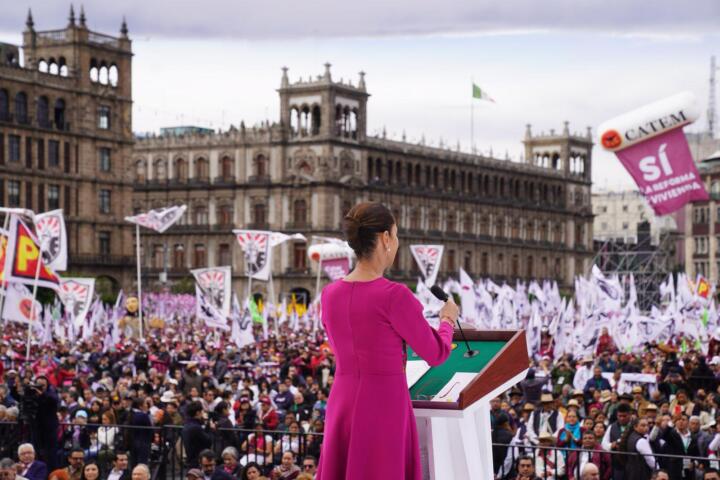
[213, 63]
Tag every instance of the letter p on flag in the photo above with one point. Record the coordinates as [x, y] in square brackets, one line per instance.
[22, 256]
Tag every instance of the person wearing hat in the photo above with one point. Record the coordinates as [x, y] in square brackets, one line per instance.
[638, 403]
[549, 463]
[268, 415]
[650, 413]
[547, 419]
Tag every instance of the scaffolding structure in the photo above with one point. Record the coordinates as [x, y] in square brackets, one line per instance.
[649, 264]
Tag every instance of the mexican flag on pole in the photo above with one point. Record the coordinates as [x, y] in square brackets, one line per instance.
[481, 94]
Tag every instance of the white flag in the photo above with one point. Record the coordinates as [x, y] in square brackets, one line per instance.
[241, 332]
[428, 258]
[276, 238]
[215, 286]
[76, 295]
[160, 219]
[206, 312]
[18, 304]
[50, 230]
[256, 248]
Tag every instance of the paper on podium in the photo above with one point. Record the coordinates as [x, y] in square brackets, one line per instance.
[414, 370]
[451, 391]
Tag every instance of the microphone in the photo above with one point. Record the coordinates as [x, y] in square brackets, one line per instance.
[443, 297]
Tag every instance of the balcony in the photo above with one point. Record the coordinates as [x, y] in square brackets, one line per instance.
[224, 180]
[199, 181]
[257, 226]
[297, 226]
[193, 227]
[102, 260]
[259, 179]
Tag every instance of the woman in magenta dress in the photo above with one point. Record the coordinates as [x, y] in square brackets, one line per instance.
[370, 430]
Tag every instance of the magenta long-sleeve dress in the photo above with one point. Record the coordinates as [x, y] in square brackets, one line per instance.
[370, 430]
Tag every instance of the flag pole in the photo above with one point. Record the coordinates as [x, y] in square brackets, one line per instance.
[271, 287]
[3, 292]
[317, 279]
[32, 305]
[472, 117]
[137, 255]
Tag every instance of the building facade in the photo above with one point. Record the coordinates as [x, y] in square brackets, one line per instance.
[66, 140]
[617, 215]
[496, 218]
[701, 225]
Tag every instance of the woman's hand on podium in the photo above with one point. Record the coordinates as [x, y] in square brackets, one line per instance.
[449, 312]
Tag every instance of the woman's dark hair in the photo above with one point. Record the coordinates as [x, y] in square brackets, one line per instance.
[247, 467]
[362, 224]
[92, 462]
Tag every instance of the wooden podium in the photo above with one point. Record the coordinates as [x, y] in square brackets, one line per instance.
[457, 434]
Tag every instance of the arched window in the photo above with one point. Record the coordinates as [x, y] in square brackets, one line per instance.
[53, 68]
[43, 112]
[378, 169]
[4, 105]
[178, 256]
[42, 66]
[159, 170]
[94, 72]
[260, 166]
[59, 114]
[202, 169]
[370, 169]
[180, 170]
[199, 258]
[63, 67]
[21, 108]
[451, 222]
[415, 219]
[315, 120]
[300, 213]
[529, 267]
[140, 171]
[227, 167]
[433, 220]
[103, 74]
[468, 224]
[113, 75]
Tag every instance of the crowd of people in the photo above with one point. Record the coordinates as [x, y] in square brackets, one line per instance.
[582, 419]
[188, 402]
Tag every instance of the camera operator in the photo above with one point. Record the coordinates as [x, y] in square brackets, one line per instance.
[38, 410]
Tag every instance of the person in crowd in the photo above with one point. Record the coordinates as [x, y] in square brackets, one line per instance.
[195, 438]
[589, 453]
[502, 436]
[549, 462]
[209, 467]
[287, 470]
[90, 471]
[29, 467]
[525, 466]
[639, 462]
[8, 470]
[230, 464]
[140, 472]
[252, 471]
[583, 373]
[548, 419]
[120, 464]
[711, 474]
[590, 471]
[309, 466]
[76, 461]
[613, 435]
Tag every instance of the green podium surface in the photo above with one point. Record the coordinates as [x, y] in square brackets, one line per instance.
[436, 378]
[502, 355]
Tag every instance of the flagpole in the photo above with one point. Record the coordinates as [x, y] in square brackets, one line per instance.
[32, 306]
[271, 287]
[3, 292]
[317, 279]
[472, 118]
[139, 280]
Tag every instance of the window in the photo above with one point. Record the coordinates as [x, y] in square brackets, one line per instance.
[625, 225]
[260, 166]
[224, 254]
[14, 148]
[4, 105]
[225, 215]
[227, 168]
[66, 157]
[104, 155]
[201, 216]
[13, 193]
[104, 243]
[484, 265]
[158, 256]
[41, 197]
[202, 170]
[53, 153]
[53, 197]
[300, 213]
[67, 200]
[529, 267]
[451, 260]
[43, 112]
[259, 214]
[199, 256]
[21, 110]
[603, 226]
[179, 256]
[104, 201]
[451, 222]
[28, 152]
[624, 208]
[467, 262]
[104, 117]
[60, 114]
[41, 153]
[299, 256]
[28, 195]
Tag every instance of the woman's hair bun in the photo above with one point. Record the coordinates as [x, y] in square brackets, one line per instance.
[362, 224]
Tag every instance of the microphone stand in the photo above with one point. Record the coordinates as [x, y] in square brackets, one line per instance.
[442, 296]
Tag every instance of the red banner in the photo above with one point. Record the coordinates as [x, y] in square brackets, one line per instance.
[22, 257]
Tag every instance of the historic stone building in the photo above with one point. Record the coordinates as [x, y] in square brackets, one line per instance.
[495, 217]
[66, 139]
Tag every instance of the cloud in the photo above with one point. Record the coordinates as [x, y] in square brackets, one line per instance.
[283, 19]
